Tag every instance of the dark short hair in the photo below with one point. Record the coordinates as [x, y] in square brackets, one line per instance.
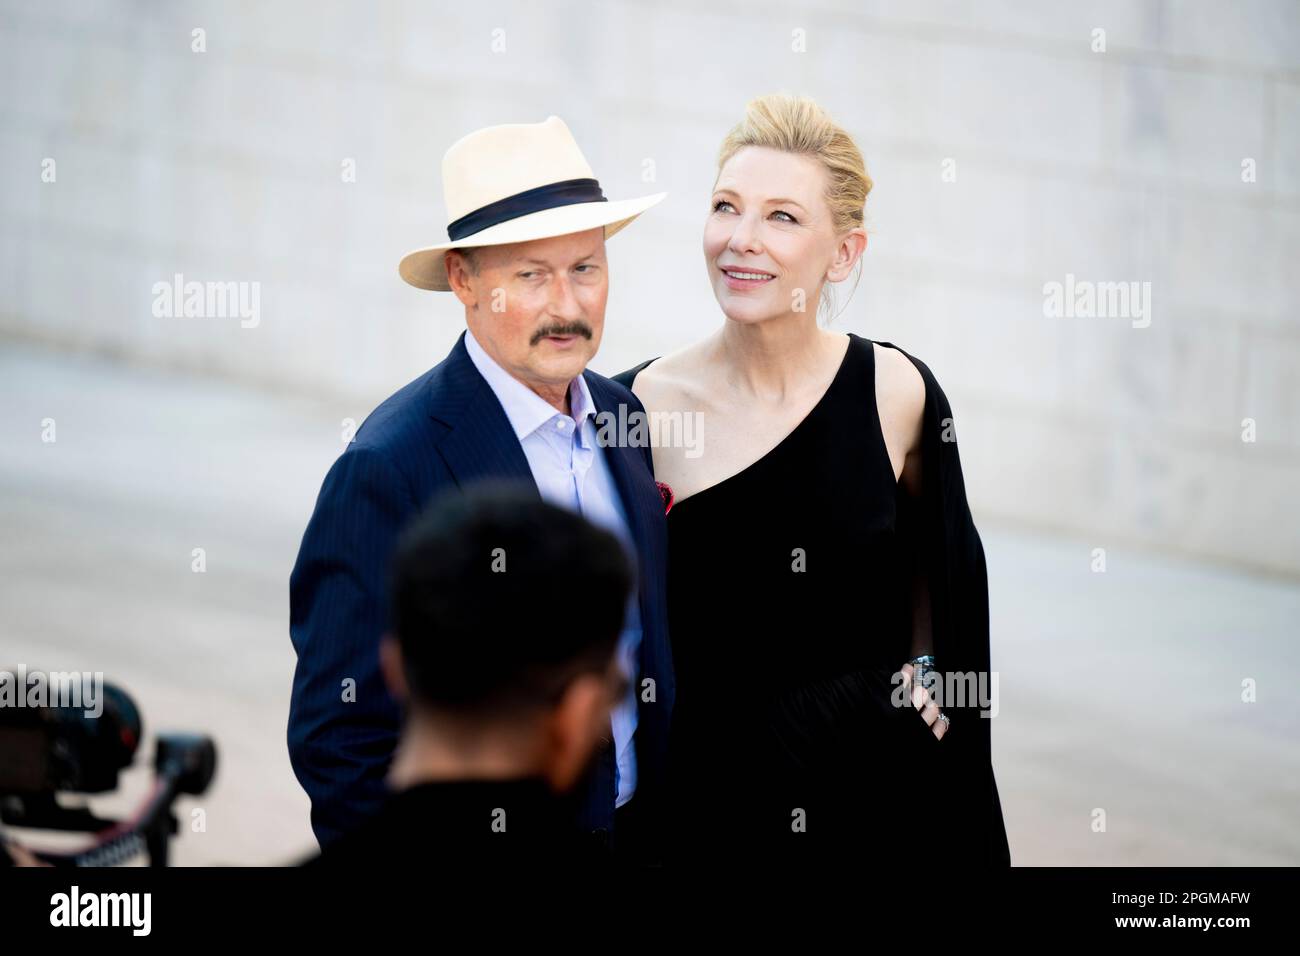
[499, 600]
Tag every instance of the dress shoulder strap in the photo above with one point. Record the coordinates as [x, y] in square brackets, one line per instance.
[866, 360]
[627, 378]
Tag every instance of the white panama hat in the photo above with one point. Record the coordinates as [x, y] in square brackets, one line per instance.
[514, 183]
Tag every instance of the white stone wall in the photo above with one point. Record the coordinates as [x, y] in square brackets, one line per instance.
[1115, 166]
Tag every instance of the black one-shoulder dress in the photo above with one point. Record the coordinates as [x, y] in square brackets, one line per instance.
[790, 615]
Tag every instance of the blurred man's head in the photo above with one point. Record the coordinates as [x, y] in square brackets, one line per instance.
[506, 613]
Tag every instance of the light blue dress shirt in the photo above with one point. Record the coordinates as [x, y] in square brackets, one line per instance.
[571, 471]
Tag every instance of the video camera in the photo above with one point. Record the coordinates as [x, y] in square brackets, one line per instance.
[56, 748]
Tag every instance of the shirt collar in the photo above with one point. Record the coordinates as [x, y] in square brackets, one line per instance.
[526, 410]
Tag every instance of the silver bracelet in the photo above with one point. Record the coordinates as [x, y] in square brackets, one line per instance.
[923, 668]
[925, 673]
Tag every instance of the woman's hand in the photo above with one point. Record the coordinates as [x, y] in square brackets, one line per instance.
[923, 701]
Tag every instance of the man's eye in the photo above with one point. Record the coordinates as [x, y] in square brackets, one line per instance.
[587, 267]
[527, 275]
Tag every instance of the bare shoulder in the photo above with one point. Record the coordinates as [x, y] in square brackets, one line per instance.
[674, 381]
[898, 380]
[900, 396]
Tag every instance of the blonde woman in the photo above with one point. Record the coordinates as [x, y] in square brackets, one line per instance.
[820, 543]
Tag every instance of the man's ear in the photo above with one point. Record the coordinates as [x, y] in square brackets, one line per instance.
[458, 278]
[575, 728]
[390, 665]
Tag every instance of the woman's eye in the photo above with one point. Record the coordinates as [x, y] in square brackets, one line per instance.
[788, 217]
[719, 204]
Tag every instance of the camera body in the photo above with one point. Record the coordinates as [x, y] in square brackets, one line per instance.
[46, 750]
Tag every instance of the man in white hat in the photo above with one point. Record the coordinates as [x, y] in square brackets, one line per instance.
[513, 400]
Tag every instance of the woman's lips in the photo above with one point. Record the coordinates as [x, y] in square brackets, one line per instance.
[734, 280]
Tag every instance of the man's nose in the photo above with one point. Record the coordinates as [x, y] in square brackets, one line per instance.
[564, 302]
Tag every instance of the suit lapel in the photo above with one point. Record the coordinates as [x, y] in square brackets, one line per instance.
[480, 443]
[624, 461]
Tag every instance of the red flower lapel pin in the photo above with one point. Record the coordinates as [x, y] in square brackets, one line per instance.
[666, 493]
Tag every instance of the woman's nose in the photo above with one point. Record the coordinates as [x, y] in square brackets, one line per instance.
[744, 238]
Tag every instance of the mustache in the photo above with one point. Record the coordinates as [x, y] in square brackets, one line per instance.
[568, 328]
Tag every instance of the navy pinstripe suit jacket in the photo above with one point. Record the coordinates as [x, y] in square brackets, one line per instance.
[443, 431]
